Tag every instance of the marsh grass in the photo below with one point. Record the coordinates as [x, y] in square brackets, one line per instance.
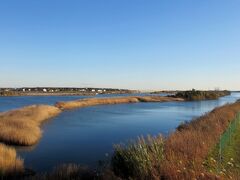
[22, 126]
[187, 148]
[114, 100]
[184, 151]
[9, 162]
[139, 159]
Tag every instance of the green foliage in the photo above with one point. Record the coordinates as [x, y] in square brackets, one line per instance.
[138, 159]
[201, 95]
[224, 159]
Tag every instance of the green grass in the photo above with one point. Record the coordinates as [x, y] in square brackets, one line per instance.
[228, 163]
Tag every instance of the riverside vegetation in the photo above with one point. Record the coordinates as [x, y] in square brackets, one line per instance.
[184, 151]
[9, 162]
[115, 100]
[194, 95]
[22, 126]
[179, 156]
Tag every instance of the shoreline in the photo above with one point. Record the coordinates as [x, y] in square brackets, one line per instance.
[61, 94]
[182, 154]
[22, 126]
[61, 106]
[113, 100]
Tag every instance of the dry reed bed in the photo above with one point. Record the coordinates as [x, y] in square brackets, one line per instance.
[184, 151]
[114, 100]
[9, 162]
[187, 148]
[22, 126]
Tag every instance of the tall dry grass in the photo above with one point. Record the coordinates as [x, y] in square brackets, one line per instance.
[9, 162]
[22, 126]
[114, 100]
[185, 150]
[139, 159]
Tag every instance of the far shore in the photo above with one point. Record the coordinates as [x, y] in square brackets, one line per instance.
[60, 94]
[62, 91]
[48, 94]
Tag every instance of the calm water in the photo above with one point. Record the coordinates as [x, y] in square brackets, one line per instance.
[86, 135]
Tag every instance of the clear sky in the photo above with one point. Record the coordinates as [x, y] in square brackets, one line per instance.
[137, 44]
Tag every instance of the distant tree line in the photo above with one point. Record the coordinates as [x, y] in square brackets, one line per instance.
[201, 95]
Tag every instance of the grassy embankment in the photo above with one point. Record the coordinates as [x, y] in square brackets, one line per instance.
[224, 159]
[194, 95]
[182, 154]
[114, 100]
[21, 127]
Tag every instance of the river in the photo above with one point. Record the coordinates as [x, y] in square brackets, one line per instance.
[85, 136]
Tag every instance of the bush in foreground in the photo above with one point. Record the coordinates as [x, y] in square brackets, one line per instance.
[140, 159]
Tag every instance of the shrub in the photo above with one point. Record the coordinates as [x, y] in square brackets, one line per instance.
[201, 95]
[139, 159]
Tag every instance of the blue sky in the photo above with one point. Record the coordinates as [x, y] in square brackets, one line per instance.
[137, 44]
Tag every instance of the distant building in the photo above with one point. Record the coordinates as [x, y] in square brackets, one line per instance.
[44, 90]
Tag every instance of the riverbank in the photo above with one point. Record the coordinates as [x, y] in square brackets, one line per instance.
[114, 100]
[224, 159]
[182, 154]
[61, 91]
[159, 142]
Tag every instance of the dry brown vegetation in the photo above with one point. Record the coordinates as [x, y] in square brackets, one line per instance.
[22, 126]
[115, 100]
[185, 150]
[9, 162]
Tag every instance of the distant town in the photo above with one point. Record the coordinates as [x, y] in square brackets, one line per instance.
[35, 91]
